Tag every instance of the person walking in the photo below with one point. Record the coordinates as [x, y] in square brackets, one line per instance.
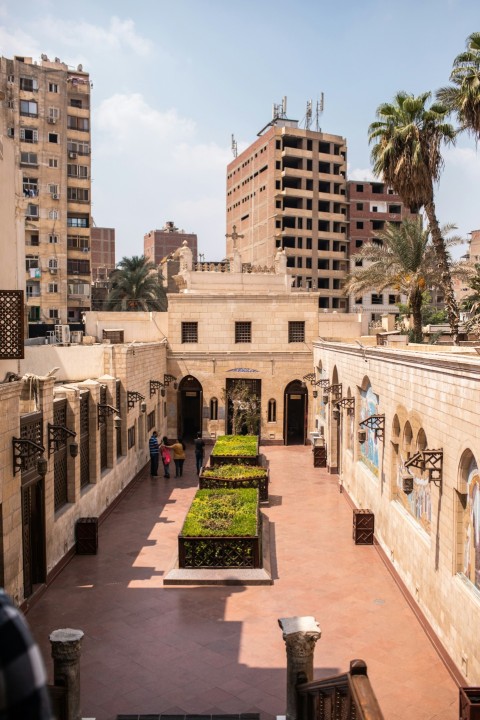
[178, 448]
[199, 451]
[154, 449]
[166, 457]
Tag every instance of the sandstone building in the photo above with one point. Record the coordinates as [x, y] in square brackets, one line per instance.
[288, 190]
[45, 113]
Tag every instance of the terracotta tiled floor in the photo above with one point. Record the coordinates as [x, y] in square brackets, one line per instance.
[155, 649]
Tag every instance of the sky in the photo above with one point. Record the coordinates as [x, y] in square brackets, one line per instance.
[174, 79]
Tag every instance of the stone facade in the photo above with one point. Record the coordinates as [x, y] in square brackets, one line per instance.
[427, 523]
[122, 368]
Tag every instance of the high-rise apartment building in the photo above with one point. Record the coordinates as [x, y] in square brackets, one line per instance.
[157, 244]
[288, 190]
[45, 111]
[371, 205]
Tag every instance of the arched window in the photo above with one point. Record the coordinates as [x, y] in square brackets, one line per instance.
[214, 409]
[272, 410]
[469, 518]
[52, 264]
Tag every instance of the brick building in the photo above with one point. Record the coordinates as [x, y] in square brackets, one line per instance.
[288, 190]
[371, 205]
[157, 244]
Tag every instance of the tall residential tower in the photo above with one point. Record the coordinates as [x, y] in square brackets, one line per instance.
[45, 110]
[288, 190]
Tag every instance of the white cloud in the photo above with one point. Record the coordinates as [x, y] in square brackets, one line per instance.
[152, 167]
[467, 160]
[80, 34]
[17, 42]
[360, 174]
[128, 121]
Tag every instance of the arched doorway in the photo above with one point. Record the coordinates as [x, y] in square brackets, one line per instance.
[295, 424]
[189, 420]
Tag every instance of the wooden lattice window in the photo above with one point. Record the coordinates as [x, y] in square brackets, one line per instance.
[150, 421]
[131, 437]
[11, 324]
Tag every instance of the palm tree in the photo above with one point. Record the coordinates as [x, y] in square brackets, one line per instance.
[407, 138]
[135, 285]
[463, 96]
[403, 258]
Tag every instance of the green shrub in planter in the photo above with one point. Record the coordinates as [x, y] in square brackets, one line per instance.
[234, 472]
[216, 513]
[236, 446]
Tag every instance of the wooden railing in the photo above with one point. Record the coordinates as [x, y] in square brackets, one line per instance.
[342, 697]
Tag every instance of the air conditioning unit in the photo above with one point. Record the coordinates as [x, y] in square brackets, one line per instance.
[52, 120]
[55, 196]
[76, 336]
[53, 270]
[72, 155]
[85, 249]
[62, 334]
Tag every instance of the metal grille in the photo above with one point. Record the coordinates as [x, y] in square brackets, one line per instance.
[243, 332]
[118, 430]
[296, 331]
[219, 552]
[84, 439]
[11, 324]
[60, 457]
[103, 430]
[189, 332]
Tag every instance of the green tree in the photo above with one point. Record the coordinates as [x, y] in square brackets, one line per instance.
[463, 96]
[403, 258]
[471, 304]
[407, 138]
[136, 285]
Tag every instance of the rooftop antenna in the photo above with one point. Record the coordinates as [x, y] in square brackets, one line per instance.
[234, 146]
[308, 115]
[280, 110]
[318, 113]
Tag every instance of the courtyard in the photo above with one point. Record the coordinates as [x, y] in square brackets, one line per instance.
[149, 648]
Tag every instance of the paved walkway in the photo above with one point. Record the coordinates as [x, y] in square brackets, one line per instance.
[155, 649]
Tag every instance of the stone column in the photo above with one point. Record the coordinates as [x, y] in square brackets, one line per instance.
[300, 635]
[66, 648]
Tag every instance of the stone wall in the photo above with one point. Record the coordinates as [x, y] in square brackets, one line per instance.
[430, 403]
[133, 366]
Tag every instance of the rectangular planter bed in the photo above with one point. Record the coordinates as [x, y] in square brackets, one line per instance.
[236, 476]
[214, 536]
[241, 449]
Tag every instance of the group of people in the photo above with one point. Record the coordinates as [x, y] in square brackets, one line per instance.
[164, 451]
